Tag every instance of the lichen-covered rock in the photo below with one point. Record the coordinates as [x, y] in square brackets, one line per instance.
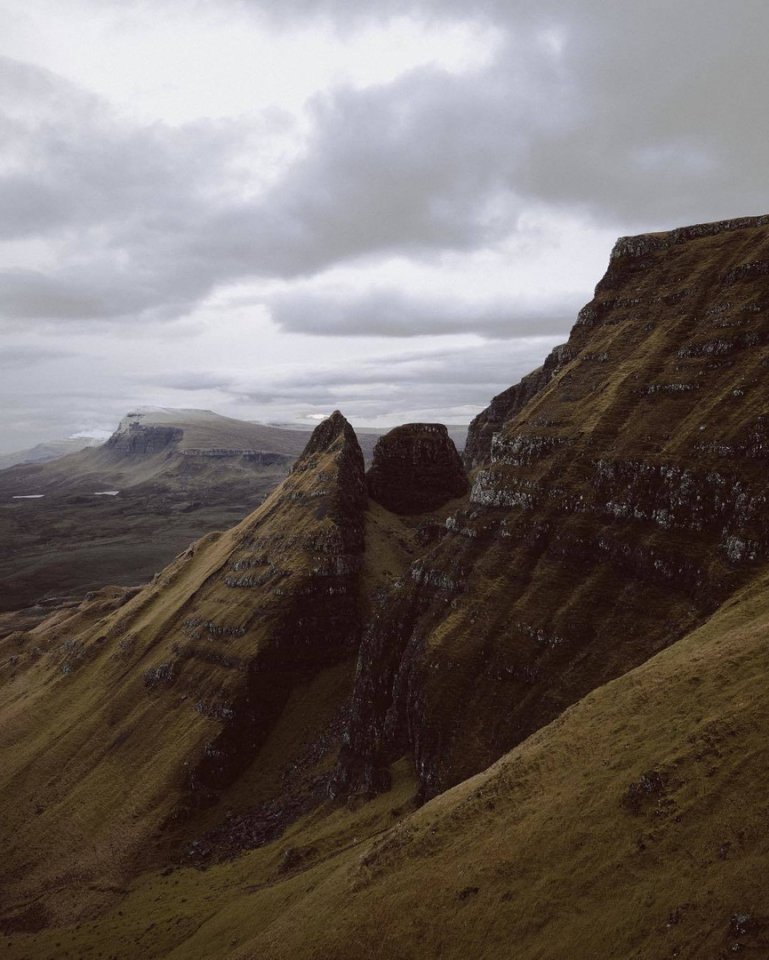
[416, 468]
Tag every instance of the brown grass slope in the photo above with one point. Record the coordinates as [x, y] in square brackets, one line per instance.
[633, 826]
[124, 720]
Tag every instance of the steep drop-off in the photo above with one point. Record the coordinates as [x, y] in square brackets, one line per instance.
[620, 496]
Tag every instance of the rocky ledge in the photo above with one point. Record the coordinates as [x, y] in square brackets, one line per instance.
[507, 404]
[645, 243]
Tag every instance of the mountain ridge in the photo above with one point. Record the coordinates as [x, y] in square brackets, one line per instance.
[529, 718]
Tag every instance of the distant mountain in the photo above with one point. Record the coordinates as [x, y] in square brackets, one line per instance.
[171, 449]
[120, 511]
[47, 451]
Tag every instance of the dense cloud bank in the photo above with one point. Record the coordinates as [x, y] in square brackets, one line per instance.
[619, 116]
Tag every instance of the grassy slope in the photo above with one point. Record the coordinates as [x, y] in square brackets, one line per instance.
[94, 762]
[551, 853]
[547, 854]
[109, 729]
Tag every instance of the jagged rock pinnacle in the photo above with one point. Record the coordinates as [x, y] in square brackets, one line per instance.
[326, 434]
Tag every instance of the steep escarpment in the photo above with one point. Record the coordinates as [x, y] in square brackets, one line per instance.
[633, 826]
[616, 508]
[136, 439]
[163, 698]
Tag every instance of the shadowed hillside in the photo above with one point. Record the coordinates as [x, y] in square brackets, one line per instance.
[173, 690]
[404, 715]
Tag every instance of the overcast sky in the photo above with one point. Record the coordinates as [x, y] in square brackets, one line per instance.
[272, 208]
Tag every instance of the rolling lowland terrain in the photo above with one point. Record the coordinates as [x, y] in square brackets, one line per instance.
[119, 512]
[417, 712]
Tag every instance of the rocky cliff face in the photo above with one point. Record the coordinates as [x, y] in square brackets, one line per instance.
[620, 497]
[416, 468]
[134, 438]
[506, 405]
[288, 602]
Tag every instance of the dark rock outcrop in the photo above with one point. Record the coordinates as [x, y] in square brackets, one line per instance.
[416, 468]
[136, 439]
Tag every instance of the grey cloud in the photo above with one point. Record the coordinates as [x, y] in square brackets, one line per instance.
[192, 380]
[627, 124]
[29, 209]
[18, 357]
[347, 15]
[103, 291]
[124, 198]
[32, 294]
[444, 379]
[412, 167]
[647, 113]
[393, 313]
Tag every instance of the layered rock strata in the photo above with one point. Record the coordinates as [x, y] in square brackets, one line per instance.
[137, 439]
[507, 404]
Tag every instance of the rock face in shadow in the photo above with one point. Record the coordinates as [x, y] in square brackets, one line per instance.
[136, 439]
[294, 568]
[416, 468]
[620, 497]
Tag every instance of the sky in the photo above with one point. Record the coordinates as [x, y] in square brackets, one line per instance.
[276, 208]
